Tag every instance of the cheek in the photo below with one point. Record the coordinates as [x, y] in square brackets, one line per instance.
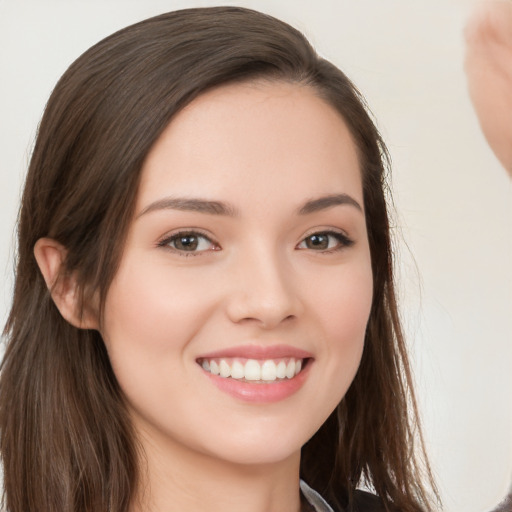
[150, 319]
[345, 305]
[343, 313]
[147, 308]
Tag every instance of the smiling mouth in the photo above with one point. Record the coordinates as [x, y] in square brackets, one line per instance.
[254, 370]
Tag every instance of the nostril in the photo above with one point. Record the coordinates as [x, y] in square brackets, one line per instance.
[267, 301]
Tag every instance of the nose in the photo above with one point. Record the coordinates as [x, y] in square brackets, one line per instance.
[263, 291]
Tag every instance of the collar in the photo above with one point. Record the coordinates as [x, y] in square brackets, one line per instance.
[314, 499]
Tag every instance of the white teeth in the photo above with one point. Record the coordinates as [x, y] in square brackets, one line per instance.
[225, 370]
[237, 370]
[214, 368]
[253, 370]
[269, 371]
[290, 369]
[281, 370]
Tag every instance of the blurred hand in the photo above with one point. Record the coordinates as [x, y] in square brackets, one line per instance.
[488, 66]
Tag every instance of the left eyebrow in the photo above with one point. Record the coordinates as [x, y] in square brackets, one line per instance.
[322, 203]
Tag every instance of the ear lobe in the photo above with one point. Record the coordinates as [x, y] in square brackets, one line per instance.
[50, 256]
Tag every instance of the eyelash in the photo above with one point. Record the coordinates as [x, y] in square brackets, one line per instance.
[342, 240]
[167, 241]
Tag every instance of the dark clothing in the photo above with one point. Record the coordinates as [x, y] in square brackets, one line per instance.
[505, 505]
[363, 501]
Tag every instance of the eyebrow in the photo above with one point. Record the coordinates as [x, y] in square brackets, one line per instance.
[220, 208]
[322, 203]
[191, 205]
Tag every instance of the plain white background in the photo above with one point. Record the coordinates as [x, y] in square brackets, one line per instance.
[454, 203]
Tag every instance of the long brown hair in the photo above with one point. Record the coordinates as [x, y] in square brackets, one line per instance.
[66, 442]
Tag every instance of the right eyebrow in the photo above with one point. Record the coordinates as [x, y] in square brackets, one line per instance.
[192, 205]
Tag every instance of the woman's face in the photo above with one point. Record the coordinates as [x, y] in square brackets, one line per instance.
[236, 320]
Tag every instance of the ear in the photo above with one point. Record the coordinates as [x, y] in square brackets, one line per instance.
[50, 256]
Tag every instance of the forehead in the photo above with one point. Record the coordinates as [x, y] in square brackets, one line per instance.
[253, 138]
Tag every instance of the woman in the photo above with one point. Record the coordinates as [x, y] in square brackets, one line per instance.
[204, 311]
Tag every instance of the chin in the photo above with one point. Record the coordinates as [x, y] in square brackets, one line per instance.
[261, 446]
[257, 456]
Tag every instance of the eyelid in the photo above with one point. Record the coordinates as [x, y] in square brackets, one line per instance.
[327, 230]
[169, 237]
[343, 238]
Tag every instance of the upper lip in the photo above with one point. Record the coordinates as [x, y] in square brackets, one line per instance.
[259, 352]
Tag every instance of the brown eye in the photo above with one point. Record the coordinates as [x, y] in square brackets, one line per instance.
[325, 241]
[188, 242]
[318, 241]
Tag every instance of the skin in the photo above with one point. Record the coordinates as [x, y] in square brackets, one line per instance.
[488, 66]
[265, 150]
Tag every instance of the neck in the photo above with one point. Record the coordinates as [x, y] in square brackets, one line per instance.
[174, 479]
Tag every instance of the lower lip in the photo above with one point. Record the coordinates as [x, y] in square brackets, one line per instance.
[260, 392]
